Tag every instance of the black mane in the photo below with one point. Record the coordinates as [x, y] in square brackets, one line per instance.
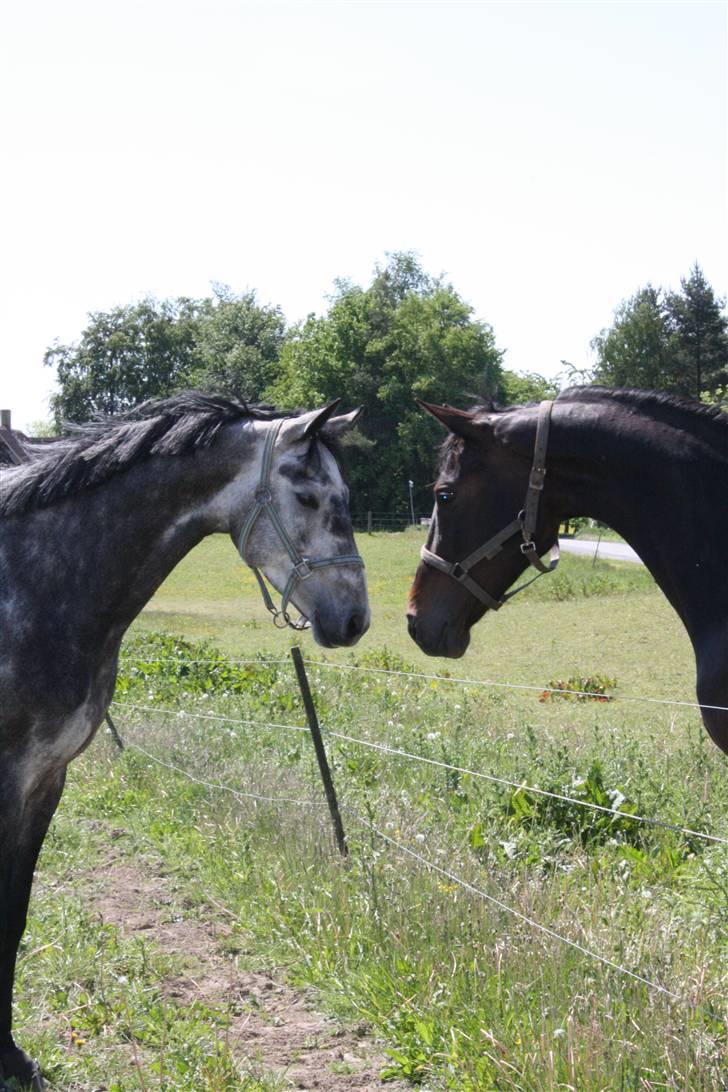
[91, 453]
[670, 409]
[707, 423]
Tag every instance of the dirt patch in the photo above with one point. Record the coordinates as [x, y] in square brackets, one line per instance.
[274, 1028]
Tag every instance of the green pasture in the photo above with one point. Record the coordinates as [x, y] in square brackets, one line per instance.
[458, 984]
[582, 619]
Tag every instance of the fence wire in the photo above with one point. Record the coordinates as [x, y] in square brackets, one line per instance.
[217, 785]
[411, 756]
[613, 812]
[495, 684]
[431, 866]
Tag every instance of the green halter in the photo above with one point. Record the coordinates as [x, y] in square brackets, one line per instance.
[302, 567]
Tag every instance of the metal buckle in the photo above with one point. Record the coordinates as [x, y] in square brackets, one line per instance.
[458, 572]
[536, 479]
[528, 547]
[303, 569]
[263, 495]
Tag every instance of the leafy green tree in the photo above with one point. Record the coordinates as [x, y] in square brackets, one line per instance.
[225, 343]
[674, 341]
[637, 350]
[527, 387]
[699, 336]
[237, 344]
[406, 336]
[123, 357]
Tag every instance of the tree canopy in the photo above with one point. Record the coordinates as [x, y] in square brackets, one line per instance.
[669, 341]
[404, 337]
[226, 343]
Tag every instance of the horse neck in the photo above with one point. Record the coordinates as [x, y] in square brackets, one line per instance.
[658, 483]
[115, 544]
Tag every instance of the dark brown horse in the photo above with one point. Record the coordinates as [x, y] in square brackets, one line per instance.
[653, 467]
[90, 526]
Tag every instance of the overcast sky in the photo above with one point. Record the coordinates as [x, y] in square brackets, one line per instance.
[549, 158]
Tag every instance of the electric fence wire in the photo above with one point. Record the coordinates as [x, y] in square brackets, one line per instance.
[431, 866]
[220, 787]
[521, 786]
[396, 752]
[514, 686]
[421, 860]
[449, 679]
[473, 890]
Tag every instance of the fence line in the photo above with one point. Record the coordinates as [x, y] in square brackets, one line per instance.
[517, 913]
[530, 788]
[208, 716]
[219, 787]
[329, 665]
[512, 686]
[398, 753]
[431, 866]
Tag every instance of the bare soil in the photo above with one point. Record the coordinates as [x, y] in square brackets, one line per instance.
[274, 1029]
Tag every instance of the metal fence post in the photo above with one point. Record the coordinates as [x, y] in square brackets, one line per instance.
[320, 750]
[113, 732]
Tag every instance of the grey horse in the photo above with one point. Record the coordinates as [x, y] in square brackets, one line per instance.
[90, 526]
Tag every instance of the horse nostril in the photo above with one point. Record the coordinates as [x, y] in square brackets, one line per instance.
[355, 625]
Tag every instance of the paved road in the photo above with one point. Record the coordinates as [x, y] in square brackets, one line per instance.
[612, 551]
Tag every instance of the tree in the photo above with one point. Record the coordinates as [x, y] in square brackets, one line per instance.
[225, 343]
[699, 338]
[237, 344]
[406, 336]
[637, 350]
[520, 387]
[124, 356]
[674, 341]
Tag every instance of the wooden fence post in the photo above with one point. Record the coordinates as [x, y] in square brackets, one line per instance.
[320, 750]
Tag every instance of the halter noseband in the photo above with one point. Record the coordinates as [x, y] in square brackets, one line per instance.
[525, 522]
[302, 567]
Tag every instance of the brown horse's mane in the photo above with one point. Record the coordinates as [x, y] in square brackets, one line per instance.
[705, 422]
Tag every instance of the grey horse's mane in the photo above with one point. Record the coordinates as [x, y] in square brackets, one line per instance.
[91, 453]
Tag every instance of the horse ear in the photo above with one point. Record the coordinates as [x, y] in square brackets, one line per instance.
[461, 422]
[308, 424]
[337, 426]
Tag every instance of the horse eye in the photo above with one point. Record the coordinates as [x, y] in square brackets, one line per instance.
[307, 500]
[445, 496]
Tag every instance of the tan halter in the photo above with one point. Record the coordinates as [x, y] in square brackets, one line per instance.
[525, 523]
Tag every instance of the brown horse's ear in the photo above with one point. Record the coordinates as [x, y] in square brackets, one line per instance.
[461, 422]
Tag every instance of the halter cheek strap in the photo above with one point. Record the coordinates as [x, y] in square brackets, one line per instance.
[525, 522]
[301, 567]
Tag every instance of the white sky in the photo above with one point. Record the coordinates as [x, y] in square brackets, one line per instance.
[549, 158]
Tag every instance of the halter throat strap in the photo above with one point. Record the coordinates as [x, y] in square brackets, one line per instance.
[525, 523]
[301, 567]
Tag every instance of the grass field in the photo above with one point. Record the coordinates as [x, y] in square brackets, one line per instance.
[458, 985]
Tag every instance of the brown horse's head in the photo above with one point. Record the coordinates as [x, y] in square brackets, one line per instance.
[480, 491]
